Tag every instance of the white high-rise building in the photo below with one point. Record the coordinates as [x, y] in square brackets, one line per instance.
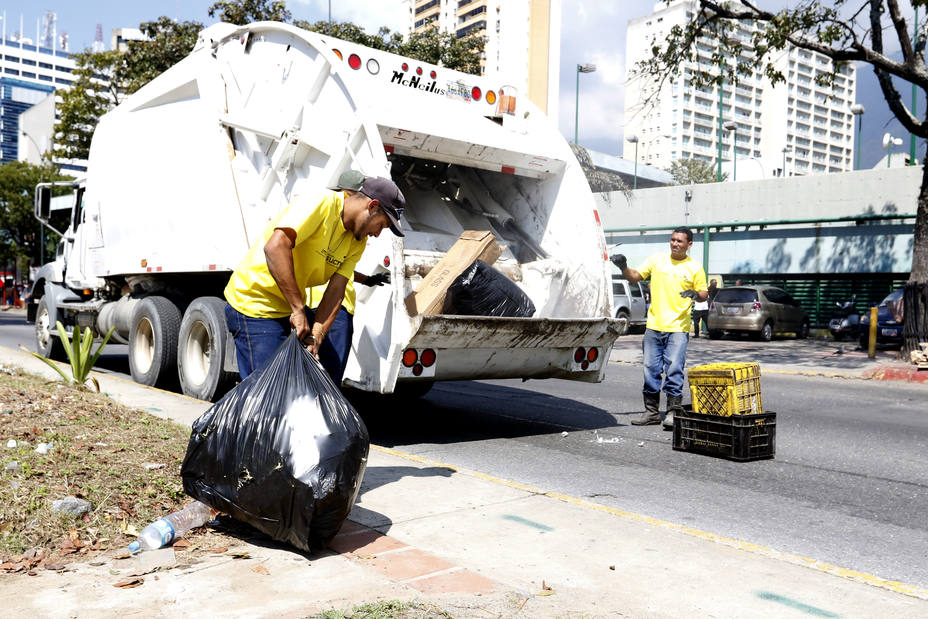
[522, 40]
[797, 124]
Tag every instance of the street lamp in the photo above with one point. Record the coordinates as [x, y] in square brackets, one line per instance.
[733, 127]
[888, 142]
[634, 140]
[858, 111]
[581, 68]
[786, 149]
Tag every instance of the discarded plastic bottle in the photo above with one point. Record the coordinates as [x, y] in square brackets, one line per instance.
[164, 531]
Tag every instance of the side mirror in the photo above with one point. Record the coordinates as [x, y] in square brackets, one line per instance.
[43, 203]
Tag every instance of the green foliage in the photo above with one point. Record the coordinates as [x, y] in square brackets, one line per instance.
[168, 42]
[241, 12]
[79, 355]
[694, 172]
[20, 232]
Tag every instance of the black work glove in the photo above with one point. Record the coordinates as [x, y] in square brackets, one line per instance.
[690, 294]
[377, 280]
[619, 261]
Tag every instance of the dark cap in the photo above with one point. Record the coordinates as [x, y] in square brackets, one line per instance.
[350, 180]
[390, 198]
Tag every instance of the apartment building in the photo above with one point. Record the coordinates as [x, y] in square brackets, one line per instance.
[522, 40]
[792, 128]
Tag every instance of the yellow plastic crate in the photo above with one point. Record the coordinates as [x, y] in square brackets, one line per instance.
[726, 389]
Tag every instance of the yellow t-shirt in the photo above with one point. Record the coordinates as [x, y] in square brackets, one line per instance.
[323, 247]
[316, 292]
[669, 311]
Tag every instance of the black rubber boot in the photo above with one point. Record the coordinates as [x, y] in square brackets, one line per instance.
[652, 412]
[674, 405]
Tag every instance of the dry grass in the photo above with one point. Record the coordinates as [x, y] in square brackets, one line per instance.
[100, 452]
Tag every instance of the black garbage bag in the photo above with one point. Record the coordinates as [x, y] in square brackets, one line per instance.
[284, 451]
[481, 290]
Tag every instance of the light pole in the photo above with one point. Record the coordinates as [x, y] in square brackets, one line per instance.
[634, 140]
[786, 149]
[858, 111]
[581, 68]
[888, 142]
[732, 127]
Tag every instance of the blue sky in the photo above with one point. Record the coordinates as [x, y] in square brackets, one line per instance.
[592, 31]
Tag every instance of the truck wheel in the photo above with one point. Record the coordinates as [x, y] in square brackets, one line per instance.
[623, 317]
[47, 342]
[153, 342]
[202, 349]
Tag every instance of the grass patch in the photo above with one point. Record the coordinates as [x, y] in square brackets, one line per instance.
[100, 449]
[390, 609]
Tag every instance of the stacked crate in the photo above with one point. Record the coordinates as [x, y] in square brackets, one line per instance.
[727, 418]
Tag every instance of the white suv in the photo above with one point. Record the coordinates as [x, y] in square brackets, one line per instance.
[630, 302]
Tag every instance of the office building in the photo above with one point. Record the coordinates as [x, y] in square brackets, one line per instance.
[795, 127]
[522, 47]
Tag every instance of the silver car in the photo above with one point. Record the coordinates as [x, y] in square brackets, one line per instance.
[631, 304]
[760, 310]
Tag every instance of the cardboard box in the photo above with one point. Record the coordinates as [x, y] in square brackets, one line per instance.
[429, 296]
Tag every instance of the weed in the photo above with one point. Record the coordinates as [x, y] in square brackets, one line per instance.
[389, 609]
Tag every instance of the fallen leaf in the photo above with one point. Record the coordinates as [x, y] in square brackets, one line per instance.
[130, 583]
[54, 566]
[32, 573]
[260, 569]
[612, 567]
[546, 592]
[123, 556]
[219, 551]
[181, 544]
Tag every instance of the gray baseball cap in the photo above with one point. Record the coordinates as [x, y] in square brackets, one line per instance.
[391, 199]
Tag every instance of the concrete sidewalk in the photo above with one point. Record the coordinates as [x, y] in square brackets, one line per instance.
[473, 544]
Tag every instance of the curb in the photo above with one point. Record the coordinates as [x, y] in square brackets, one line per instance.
[899, 373]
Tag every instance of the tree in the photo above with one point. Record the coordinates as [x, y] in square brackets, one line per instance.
[241, 12]
[20, 231]
[166, 43]
[693, 171]
[843, 30]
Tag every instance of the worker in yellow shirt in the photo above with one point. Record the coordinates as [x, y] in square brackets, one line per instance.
[315, 241]
[676, 281]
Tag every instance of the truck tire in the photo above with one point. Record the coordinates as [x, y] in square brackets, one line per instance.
[624, 318]
[202, 349]
[47, 342]
[153, 342]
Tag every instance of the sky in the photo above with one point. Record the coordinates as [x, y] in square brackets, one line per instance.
[593, 31]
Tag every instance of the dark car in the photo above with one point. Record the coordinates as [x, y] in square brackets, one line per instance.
[759, 310]
[888, 330]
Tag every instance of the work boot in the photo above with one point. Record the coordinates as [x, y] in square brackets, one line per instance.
[674, 405]
[652, 412]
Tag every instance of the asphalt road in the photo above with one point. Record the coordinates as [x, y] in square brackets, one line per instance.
[848, 486]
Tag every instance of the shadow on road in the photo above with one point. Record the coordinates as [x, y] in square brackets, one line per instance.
[457, 412]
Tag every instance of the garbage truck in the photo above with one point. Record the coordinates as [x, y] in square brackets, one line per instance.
[184, 175]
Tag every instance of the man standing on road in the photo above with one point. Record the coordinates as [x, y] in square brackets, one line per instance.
[676, 281]
[316, 240]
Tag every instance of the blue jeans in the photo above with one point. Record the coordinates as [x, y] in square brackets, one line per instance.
[664, 353]
[257, 339]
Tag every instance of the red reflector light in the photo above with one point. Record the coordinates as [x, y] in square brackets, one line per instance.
[354, 61]
[386, 261]
[433, 74]
[388, 148]
[756, 306]
[418, 70]
[405, 67]
[417, 370]
[579, 354]
[592, 355]
[476, 93]
[428, 357]
[410, 357]
[585, 365]
[508, 170]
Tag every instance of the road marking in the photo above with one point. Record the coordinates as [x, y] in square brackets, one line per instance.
[821, 566]
[796, 605]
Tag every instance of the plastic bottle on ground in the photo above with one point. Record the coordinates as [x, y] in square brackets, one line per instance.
[164, 531]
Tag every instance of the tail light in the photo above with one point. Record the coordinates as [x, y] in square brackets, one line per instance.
[592, 355]
[428, 357]
[579, 354]
[755, 306]
[410, 357]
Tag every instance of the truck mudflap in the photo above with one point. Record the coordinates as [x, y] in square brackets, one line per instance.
[476, 347]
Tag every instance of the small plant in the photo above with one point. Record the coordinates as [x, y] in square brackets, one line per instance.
[79, 355]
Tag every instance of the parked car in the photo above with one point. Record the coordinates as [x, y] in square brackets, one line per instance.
[759, 310]
[888, 329]
[631, 303]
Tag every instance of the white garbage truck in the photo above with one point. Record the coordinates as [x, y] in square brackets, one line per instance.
[184, 175]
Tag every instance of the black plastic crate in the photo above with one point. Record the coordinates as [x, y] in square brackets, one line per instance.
[739, 437]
